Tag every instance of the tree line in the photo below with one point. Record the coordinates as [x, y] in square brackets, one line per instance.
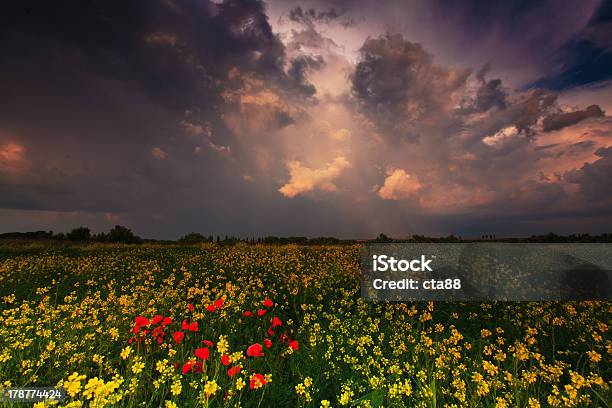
[118, 234]
[121, 234]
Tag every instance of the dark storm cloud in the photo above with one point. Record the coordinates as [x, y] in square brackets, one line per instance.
[399, 87]
[298, 70]
[489, 95]
[178, 52]
[311, 15]
[98, 93]
[397, 84]
[586, 58]
[561, 120]
[388, 70]
[527, 109]
[520, 36]
[182, 46]
[594, 178]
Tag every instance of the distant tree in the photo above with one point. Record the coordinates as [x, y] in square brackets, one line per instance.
[193, 238]
[79, 234]
[31, 235]
[122, 234]
[100, 237]
[382, 238]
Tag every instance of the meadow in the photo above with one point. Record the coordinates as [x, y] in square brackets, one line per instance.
[274, 326]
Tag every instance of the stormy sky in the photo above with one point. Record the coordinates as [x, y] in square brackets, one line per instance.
[344, 118]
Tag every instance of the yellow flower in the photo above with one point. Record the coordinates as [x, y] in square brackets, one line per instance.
[237, 356]
[138, 365]
[114, 333]
[501, 403]
[533, 403]
[97, 358]
[73, 385]
[521, 352]
[93, 387]
[170, 404]
[176, 388]
[222, 345]
[594, 356]
[325, 404]
[210, 388]
[490, 368]
[125, 353]
[346, 396]
[300, 389]
[482, 387]
[240, 384]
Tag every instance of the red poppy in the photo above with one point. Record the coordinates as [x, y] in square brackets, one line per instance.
[185, 325]
[193, 327]
[270, 332]
[268, 343]
[166, 321]
[261, 312]
[284, 338]
[202, 353]
[141, 321]
[158, 331]
[225, 360]
[191, 307]
[211, 308]
[132, 339]
[178, 336]
[136, 329]
[255, 350]
[257, 378]
[198, 367]
[276, 322]
[157, 319]
[247, 313]
[233, 371]
[294, 345]
[208, 343]
[268, 303]
[160, 340]
[187, 367]
[218, 303]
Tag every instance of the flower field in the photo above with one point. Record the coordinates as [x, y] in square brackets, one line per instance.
[274, 326]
